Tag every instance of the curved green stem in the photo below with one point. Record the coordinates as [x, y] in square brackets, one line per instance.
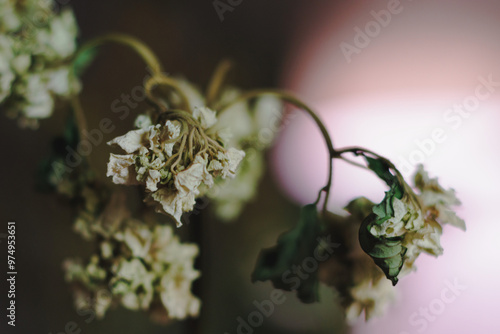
[81, 121]
[147, 55]
[142, 49]
[354, 163]
[284, 96]
[162, 80]
[362, 151]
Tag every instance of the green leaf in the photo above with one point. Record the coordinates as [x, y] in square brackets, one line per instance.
[387, 253]
[385, 210]
[360, 207]
[83, 60]
[52, 170]
[293, 247]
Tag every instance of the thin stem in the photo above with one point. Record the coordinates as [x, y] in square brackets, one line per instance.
[162, 80]
[191, 136]
[81, 121]
[142, 49]
[215, 85]
[399, 176]
[181, 150]
[362, 151]
[354, 163]
[296, 102]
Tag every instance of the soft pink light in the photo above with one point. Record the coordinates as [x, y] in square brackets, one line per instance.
[386, 102]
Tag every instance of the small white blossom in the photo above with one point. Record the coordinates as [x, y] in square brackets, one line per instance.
[143, 122]
[187, 182]
[360, 283]
[427, 240]
[38, 101]
[140, 262]
[205, 116]
[34, 59]
[121, 168]
[134, 283]
[438, 200]
[176, 293]
[6, 73]
[436, 203]
[372, 297]
[58, 39]
[226, 163]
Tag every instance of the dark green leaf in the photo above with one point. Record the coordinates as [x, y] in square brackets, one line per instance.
[84, 60]
[360, 207]
[52, 170]
[387, 253]
[277, 264]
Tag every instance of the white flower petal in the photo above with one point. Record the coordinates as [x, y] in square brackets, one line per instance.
[130, 142]
[153, 179]
[121, 168]
[205, 116]
[143, 122]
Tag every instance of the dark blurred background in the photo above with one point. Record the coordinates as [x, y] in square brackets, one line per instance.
[389, 97]
[190, 39]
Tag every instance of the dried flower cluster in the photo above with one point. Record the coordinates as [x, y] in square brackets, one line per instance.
[35, 45]
[361, 285]
[437, 205]
[190, 146]
[415, 227]
[139, 265]
[184, 154]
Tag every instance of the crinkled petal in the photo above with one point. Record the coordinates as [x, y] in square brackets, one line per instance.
[189, 180]
[153, 179]
[121, 168]
[130, 142]
[168, 201]
[205, 116]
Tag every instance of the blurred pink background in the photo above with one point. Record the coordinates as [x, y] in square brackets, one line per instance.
[391, 96]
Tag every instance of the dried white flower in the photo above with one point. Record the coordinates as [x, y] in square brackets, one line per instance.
[371, 296]
[173, 160]
[34, 58]
[121, 168]
[7, 74]
[360, 283]
[248, 127]
[176, 293]
[406, 224]
[407, 217]
[134, 283]
[138, 262]
[436, 203]
[437, 200]
[230, 196]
